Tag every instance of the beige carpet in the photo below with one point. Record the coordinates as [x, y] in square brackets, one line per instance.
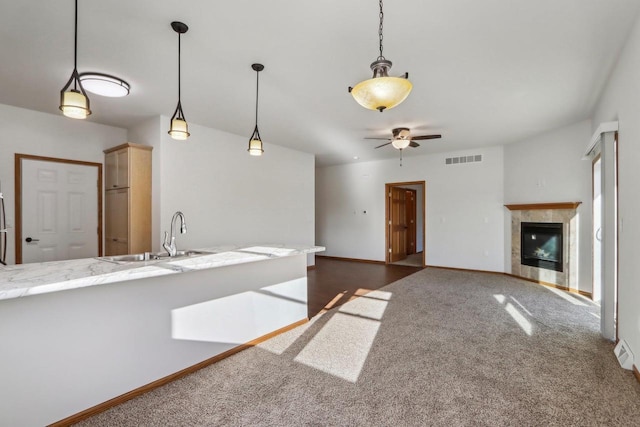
[440, 347]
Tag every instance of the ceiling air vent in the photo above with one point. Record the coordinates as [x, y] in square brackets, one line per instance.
[463, 159]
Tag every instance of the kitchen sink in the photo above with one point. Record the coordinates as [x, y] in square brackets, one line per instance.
[151, 256]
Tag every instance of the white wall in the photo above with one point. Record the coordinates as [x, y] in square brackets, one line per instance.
[464, 212]
[621, 101]
[549, 168]
[41, 134]
[230, 197]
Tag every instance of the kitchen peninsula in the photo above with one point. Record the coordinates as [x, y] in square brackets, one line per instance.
[77, 333]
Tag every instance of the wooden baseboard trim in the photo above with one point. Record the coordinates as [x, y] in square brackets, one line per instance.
[636, 372]
[465, 269]
[337, 258]
[553, 285]
[169, 378]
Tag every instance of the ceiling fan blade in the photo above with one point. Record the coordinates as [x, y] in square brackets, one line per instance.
[383, 145]
[383, 139]
[419, 137]
[414, 144]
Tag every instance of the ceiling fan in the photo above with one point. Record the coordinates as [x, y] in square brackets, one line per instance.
[402, 139]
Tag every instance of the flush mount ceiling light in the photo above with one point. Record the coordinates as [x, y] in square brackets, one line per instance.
[255, 143]
[179, 128]
[381, 92]
[104, 85]
[74, 102]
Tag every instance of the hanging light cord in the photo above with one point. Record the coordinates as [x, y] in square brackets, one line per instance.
[179, 78]
[257, 94]
[380, 31]
[75, 48]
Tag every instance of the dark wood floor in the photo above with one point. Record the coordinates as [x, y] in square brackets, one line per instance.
[334, 282]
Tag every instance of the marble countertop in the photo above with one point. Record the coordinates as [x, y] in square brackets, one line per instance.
[32, 279]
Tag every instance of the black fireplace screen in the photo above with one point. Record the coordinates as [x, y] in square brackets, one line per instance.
[541, 245]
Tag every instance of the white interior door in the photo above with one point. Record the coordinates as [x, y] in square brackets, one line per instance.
[59, 211]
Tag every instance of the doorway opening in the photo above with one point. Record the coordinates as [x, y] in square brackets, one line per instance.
[405, 225]
[59, 207]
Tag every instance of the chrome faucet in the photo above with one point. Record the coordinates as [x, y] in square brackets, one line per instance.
[169, 242]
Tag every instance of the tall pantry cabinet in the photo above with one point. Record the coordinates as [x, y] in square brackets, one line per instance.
[127, 199]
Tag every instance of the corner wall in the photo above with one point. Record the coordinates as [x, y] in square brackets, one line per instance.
[41, 134]
[549, 168]
[620, 101]
[464, 212]
[229, 197]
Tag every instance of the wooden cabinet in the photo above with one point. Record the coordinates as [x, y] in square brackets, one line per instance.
[117, 222]
[117, 169]
[127, 199]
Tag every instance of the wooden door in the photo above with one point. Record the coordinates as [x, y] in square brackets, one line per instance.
[397, 224]
[59, 211]
[410, 199]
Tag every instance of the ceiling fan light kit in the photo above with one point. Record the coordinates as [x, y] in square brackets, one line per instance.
[402, 139]
[179, 129]
[400, 144]
[74, 102]
[381, 92]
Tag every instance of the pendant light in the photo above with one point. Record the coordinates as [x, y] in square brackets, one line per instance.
[255, 143]
[74, 102]
[179, 129]
[381, 92]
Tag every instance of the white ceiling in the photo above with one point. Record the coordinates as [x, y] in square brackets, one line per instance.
[484, 72]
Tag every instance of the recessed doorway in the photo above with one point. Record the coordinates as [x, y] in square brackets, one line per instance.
[58, 209]
[405, 226]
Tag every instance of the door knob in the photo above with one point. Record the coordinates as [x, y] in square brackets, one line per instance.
[29, 240]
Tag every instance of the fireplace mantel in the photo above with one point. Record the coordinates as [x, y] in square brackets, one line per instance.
[540, 206]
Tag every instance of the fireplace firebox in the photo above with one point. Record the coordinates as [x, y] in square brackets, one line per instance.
[541, 245]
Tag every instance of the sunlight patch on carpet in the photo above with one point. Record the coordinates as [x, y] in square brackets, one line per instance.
[280, 343]
[520, 319]
[341, 347]
[371, 305]
[564, 295]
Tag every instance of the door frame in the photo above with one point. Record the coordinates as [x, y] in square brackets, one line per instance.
[18, 194]
[593, 257]
[616, 150]
[387, 214]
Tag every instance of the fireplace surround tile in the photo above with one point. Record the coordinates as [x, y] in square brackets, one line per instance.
[564, 213]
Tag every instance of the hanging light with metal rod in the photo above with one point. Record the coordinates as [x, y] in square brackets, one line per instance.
[74, 102]
[255, 143]
[381, 92]
[179, 128]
